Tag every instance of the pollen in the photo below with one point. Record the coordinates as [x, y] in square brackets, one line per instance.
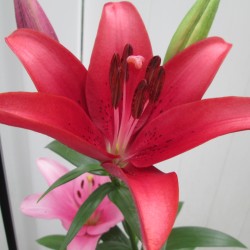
[90, 179]
[137, 61]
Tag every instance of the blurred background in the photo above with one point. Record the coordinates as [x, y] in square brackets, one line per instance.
[214, 178]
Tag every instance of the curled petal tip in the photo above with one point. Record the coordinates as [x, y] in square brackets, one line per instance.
[156, 196]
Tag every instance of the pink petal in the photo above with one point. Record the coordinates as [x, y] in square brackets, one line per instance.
[156, 199]
[85, 184]
[29, 14]
[110, 216]
[52, 68]
[106, 215]
[43, 209]
[54, 116]
[59, 203]
[189, 74]
[51, 170]
[119, 25]
[84, 242]
[187, 126]
[49, 207]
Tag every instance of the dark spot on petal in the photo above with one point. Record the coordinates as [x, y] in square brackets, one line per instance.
[79, 194]
[82, 184]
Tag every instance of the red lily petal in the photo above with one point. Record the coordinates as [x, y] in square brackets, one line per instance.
[189, 74]
[119, 25]
[156, 198]
[187, 126]
[52, 67]
[54, 116]
[29, 14]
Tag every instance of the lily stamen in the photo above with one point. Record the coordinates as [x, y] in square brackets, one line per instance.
[156, 86]
[118, 76]
[115, 80]
[147, 93]
[141, 95]
[153, 65]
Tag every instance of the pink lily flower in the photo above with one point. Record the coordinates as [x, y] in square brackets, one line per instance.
[126, 110]
[63, 203]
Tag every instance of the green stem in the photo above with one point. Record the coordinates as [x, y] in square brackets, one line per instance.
[117, 182]
[132, 237]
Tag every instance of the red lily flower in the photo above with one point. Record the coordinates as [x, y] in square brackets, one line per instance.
[127, 111]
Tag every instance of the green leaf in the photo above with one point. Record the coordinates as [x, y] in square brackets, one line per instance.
[115, 234]
[165, 247]
[194, 26]
[122, 198]
[113, 245]
[51, 241]
[191, 237]
[70, 176]
[85, 211]
[73, 156]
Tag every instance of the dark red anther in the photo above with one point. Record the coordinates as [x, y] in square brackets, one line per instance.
[140, 98]
[153, 65]
[114, 66]
[115, 81]
[150, 88]
[118, 74]
[156, 85]
[127, 51]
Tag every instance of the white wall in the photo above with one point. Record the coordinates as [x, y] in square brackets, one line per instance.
[214, 178]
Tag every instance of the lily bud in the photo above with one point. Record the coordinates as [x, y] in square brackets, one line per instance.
[29, 14]
[194, 26]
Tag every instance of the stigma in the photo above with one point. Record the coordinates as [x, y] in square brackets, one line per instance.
[137, 61]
